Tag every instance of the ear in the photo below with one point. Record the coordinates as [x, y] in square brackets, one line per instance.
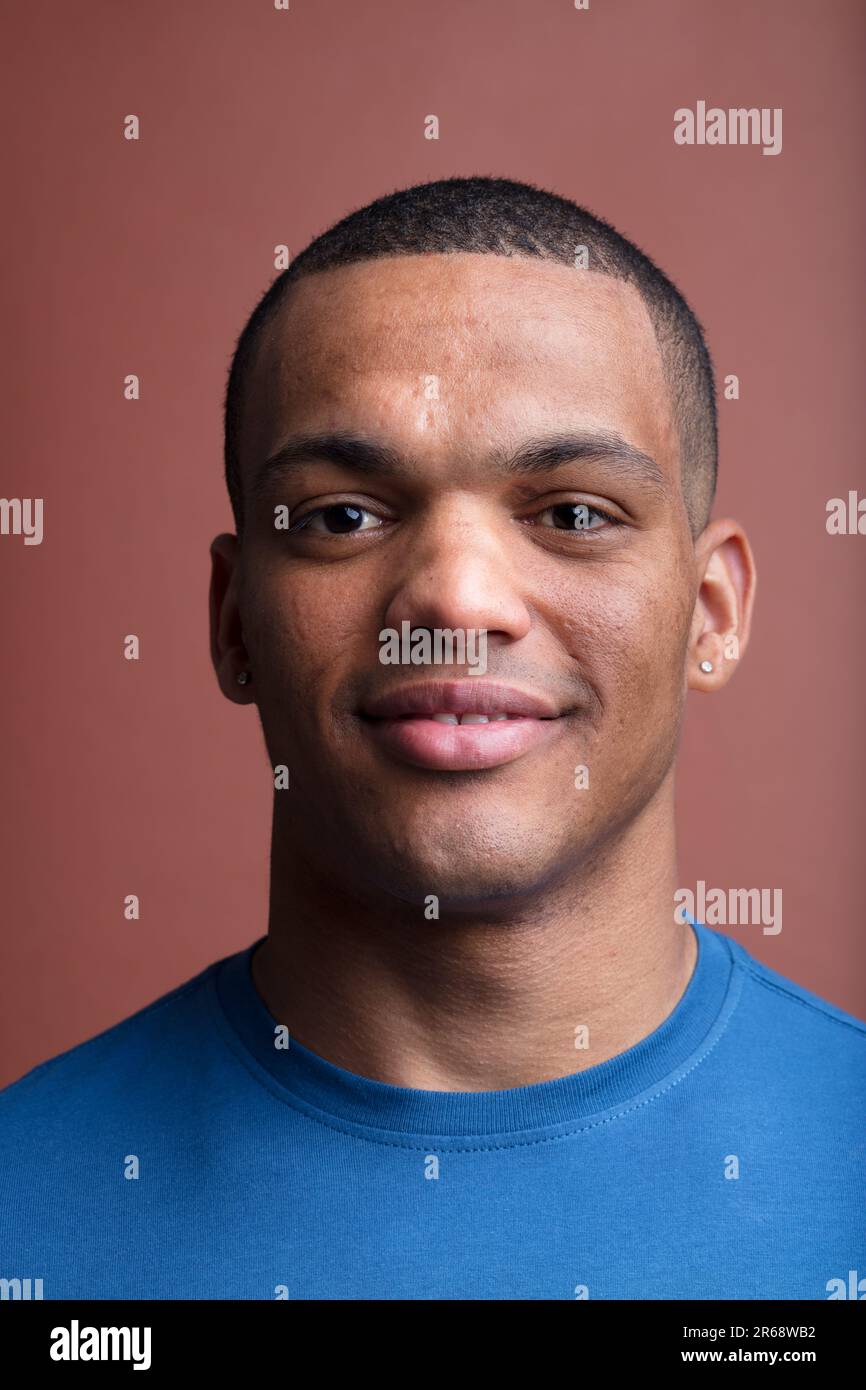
[722, 618]
[227, 650]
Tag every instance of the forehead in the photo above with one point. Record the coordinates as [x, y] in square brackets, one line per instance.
[488, 348]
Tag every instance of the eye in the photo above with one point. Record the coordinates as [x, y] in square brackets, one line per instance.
[578, 516]
[339, 519]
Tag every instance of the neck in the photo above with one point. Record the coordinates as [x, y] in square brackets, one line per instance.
[563, 981]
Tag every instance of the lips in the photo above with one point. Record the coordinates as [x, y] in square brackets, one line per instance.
[467, 697]
[444, 718]
[459, 726]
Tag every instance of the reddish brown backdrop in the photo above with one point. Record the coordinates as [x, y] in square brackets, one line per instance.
[261, 127]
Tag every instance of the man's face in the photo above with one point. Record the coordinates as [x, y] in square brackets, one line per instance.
[453, 365]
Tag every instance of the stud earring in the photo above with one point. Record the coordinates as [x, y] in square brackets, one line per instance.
[243, 677]
[706, 666]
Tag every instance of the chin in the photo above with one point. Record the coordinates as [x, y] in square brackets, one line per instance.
[466, 865]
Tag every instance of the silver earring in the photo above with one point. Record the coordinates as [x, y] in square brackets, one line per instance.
[243, 677]
[706, 666]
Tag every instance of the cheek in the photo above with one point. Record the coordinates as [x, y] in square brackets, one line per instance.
[629, 638]
[302, 633]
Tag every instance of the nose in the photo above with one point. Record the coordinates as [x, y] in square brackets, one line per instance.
[458, 569]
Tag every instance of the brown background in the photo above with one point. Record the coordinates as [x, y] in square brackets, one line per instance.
[261, 127]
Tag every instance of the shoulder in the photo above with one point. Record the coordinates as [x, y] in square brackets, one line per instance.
[106, 1071]
[795, 1027]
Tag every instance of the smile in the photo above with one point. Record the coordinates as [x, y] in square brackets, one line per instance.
[443, 718]
[459, 726]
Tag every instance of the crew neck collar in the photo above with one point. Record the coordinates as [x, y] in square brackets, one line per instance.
[312, 1084]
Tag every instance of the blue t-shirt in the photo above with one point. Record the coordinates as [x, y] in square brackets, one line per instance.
[182, 1154]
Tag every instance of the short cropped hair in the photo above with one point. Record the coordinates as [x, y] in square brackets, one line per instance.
[503, 217]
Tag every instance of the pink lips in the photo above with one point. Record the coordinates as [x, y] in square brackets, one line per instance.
[402, 722]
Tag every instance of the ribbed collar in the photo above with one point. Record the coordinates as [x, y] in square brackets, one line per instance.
[655, 1063]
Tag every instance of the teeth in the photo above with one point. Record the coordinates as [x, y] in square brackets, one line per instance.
[468, 718]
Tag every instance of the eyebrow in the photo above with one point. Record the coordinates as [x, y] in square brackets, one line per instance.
[360, 454]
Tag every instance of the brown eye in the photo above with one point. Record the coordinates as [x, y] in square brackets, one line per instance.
[340, 519]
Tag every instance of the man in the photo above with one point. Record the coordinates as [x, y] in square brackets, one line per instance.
[479, 1054]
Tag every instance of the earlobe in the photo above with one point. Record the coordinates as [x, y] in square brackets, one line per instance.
[723, 609]
[236, 684]
[228, 653]
[242, 679]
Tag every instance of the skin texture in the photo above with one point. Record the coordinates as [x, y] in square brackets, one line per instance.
[555, 904]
